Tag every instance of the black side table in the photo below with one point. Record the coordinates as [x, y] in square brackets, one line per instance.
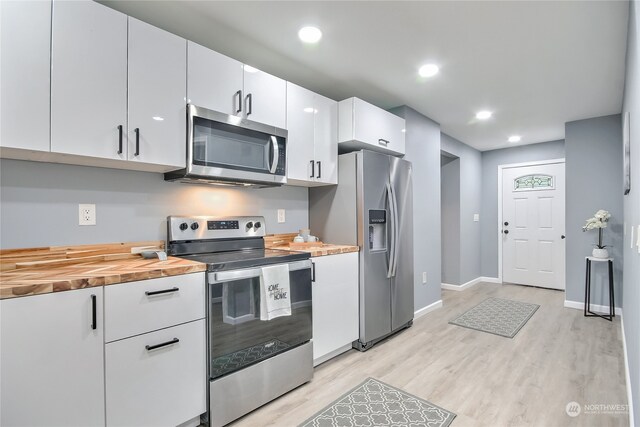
[587, 290]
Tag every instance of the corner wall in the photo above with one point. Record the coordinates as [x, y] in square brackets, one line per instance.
[470, 203]
[423, 151]
[631, 202]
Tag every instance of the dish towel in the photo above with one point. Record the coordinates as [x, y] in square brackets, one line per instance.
[275, 298]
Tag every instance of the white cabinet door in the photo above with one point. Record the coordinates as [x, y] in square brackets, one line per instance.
[335, 304]
[157, 72]
[300, 139]
[25, 37]
[265, 98]
[88, 80]
[214, 81]
[165, 386]
[326, 140]
[393, 130]
[51, 360]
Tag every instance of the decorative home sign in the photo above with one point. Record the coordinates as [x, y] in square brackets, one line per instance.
[626, 141]
[599, 221]
[533, 182]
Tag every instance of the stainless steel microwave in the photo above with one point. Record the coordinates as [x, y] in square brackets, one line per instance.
[228, 150]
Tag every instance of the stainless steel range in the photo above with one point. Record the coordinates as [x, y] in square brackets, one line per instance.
[251, 361]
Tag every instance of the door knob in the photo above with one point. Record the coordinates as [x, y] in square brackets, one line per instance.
[505, 231]
[506, 223]
[562, 237]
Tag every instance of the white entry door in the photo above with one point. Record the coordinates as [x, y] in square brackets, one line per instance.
[533, 245]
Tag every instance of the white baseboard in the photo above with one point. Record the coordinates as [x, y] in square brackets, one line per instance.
[470, 283]
[627, 374]
[424, 310]
[603, 309]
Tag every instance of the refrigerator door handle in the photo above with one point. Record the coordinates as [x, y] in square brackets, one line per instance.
[396, 231]
[392, 250]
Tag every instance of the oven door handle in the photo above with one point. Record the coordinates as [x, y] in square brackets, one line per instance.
[230, 276]
[276, 155]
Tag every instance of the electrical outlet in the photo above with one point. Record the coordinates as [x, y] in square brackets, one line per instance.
[281, 216]
[476, 217]
[424, 277]
[86, 214]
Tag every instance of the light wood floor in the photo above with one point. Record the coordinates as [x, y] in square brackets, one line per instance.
[559, 356]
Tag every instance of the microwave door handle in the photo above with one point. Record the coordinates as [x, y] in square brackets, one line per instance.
[276, 155]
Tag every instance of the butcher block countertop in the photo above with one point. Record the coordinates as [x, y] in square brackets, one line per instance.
[282, 241]
[38, 271]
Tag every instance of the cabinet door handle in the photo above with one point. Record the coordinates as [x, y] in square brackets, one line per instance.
[164, 344]
[313, 168]
[94, 314]
[383, 142]
[239, 95]
[137, 131]
[164, 291]
[119, 139]
[313, 271]
[249, 104]
[319, 169]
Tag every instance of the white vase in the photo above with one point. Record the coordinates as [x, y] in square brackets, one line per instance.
[600, 253]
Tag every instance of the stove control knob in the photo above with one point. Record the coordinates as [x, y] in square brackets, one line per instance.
[183, 226]
[249, 225]
[257, 225]
[194, 226]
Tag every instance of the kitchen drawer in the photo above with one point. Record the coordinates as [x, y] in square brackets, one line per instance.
[158, 387]
[135, 308]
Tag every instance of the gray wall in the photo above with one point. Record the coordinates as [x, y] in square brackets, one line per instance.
[450, 214]
[470, 201]
[489, 213]
[423, 151]
[631, 277]
[593, 153]
[39, 204]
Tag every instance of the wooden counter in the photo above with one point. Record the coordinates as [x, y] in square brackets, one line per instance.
[281, 241]
[54, 269]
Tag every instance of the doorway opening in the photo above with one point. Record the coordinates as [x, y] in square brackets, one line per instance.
[450, 218]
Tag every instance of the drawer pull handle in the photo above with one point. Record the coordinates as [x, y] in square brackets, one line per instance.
[383, 142]
[164, 344]
[164, 291]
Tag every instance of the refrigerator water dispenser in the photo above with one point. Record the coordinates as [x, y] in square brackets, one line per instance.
[377, 230]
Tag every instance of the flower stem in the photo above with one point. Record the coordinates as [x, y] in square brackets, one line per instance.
[600, 238]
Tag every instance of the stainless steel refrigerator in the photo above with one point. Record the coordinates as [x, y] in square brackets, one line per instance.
[372, 207]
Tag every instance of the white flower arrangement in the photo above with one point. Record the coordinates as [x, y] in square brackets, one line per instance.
[599, 221]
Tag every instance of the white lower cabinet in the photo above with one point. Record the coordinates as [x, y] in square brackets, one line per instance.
[158, 378]
[51, 359]
[335, 305]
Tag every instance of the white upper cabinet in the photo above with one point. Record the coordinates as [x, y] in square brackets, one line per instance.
[52, 359]
[214, 81]
[25, 37]
[326, 140]
[300, 138]
[157, 70]
[312, 142]
[222, 84]
[265, 98]
[89, 80]
[363, 125]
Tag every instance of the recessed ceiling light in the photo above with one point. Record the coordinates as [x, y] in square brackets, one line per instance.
[514, 138]
[309, 110]
[250, 69]
[310, 34]
[428, 70]
[483, 115]
[157, 118]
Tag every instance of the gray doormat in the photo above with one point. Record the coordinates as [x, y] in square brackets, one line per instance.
[497, 316]
[374, 403]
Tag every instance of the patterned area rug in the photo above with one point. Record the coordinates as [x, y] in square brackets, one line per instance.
[374, 403]
[230, 362]
[497, 316]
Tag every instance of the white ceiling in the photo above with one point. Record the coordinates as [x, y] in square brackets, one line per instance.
[536, 65]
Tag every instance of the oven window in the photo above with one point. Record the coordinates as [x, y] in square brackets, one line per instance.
[237, 336]
[221, 144]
